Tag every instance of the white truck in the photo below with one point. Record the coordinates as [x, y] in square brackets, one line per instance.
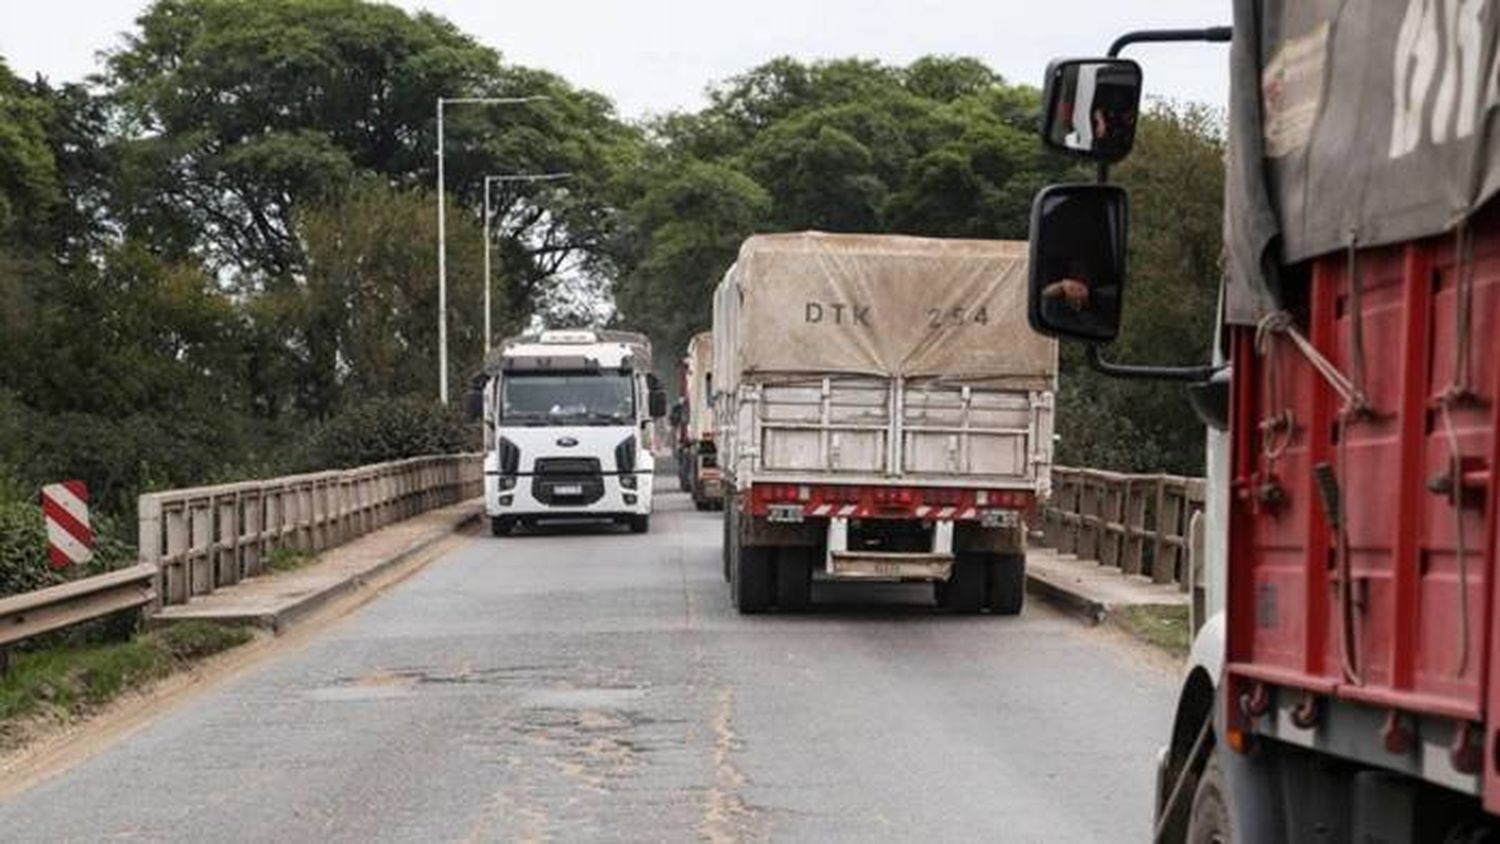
[568, 428]
[696, 452]
[884, 413]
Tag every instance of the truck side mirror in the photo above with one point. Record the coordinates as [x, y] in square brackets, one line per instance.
[657, 402]
[1210, 399]
[1077, 265]
[1090, 107]
[474, 404]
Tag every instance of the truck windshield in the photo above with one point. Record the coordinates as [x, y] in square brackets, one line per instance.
[571, 398]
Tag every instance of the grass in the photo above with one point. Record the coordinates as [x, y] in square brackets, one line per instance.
[70, 680]
[287, 559]
[1166, 627]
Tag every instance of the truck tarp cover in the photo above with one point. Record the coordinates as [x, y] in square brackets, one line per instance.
[1372, 122]
[887, 306]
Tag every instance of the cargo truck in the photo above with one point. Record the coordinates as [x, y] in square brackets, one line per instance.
[697, 454]
[883, 413]
[1345, 686]
[568, 428]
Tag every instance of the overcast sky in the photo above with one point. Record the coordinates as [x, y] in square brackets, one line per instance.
[657, 55]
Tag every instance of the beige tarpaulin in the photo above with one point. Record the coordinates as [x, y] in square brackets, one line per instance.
[700, 363]
[881, 305]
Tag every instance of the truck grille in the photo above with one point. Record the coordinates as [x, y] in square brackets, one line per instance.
[572, 466]
[567, 481]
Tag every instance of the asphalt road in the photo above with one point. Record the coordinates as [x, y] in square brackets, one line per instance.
[597, 685]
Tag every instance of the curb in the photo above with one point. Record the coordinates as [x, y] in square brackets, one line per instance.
[278, 620]
[1075, 603]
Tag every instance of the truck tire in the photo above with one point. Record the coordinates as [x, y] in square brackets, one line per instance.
[1007, 583]
[724, 546]
[502, 525]
[1208, 822]
[754, 579]
[794, 578]
[965, 590]
[640, 524]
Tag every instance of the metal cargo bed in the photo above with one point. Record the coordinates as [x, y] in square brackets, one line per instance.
[890, 430]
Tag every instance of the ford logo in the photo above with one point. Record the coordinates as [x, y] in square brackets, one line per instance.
[567, 442]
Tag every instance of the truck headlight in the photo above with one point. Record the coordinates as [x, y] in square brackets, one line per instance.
[625, 455]
[510, 457]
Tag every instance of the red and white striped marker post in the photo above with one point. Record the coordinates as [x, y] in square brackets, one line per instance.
[70, 540]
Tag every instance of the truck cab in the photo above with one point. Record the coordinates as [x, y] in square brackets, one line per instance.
[569, 434]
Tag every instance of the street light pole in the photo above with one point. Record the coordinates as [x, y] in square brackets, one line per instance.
[442, 222]
[490, 180]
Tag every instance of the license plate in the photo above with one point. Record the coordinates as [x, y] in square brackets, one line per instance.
[568, 489]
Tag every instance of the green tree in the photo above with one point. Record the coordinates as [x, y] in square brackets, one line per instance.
[692, 218]
[1175, 178]
[368, 302]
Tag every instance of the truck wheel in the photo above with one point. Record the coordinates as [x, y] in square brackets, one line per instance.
[1007, 583]
[965, 590]
[724, 546]
[640, 524]
[1209, 821]
[502, 525]
[753, 579]
[794, 578]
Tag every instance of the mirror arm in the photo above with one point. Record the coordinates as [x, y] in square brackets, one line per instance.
[1209, 34]
[1189, 374]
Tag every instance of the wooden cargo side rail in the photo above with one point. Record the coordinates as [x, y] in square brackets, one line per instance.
[1140, 524]
[207, 537]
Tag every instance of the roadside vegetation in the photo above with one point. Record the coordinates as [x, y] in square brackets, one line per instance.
[1165, 627]
[79, 675]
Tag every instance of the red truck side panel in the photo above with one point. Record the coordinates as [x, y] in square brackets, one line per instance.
[1421, 621]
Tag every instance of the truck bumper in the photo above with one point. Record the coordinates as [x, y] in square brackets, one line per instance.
[521, 500]
[844, 564]
[709, 488]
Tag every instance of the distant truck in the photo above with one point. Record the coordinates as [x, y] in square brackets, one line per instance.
[883, 413]
[568, 428]
[1345, 686]
[697, 457]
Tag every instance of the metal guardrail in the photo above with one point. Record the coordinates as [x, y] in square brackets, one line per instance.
[213, 536]
[55, 607]
[1140, 524]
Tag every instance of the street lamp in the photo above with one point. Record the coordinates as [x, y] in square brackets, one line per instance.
[490, 180]
[443, 230]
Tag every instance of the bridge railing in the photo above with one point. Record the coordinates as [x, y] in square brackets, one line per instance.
[1140, 524]
[207, 537]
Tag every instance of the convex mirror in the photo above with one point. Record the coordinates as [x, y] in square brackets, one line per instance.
[1077, 282]
[1090, 107]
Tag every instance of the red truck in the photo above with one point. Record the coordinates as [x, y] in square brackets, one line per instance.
[1348, 686]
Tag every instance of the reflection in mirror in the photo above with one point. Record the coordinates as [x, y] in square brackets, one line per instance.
[1077, 268]
[1092, 106]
